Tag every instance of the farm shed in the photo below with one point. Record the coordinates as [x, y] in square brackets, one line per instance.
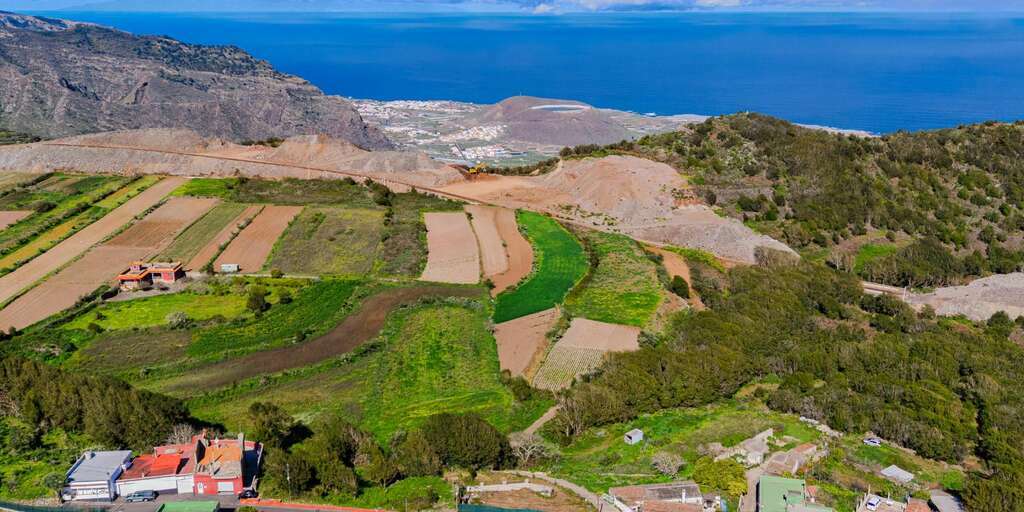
[229, 268]
[898, 474]
[92, 476]
[634, 436]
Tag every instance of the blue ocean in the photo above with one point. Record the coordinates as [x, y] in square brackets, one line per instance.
[875, 72]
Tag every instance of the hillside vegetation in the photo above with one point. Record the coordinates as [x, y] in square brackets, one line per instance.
[959, 188]
[947, 390]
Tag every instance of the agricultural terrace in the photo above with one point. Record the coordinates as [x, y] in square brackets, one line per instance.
[559, 264]
[154, 311]
[433, 357]
[622, 288]
[193, 239]
[288, 191]
[330, 240]
[404, 248]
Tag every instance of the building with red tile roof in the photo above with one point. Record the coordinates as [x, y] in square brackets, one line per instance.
[201, 466]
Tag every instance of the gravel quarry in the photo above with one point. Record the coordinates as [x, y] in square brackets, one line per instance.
[978, 300]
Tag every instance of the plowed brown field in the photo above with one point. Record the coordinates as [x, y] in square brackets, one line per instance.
[210, 249]
[520, 252]
[11, 216]
[453, 255]
[492, 250]
[252, 246]
[523, 340]
[101, 264]
[31, 272]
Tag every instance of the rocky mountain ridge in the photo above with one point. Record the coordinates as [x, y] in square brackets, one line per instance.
[62, 78]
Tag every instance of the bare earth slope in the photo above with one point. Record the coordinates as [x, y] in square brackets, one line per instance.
[978, 300]
[633, 196]
[60, 78]
[185, 152]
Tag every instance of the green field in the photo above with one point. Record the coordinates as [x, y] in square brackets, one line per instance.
[559, 263]
[330, 240]
[153, 311]
[430, 358]
[623, 288]
[193, 239]
[286, 191]
[871, 252]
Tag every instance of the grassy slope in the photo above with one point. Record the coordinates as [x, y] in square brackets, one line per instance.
[330, 240]
[559, 264]
[189, 242]
[153, 311]
[430, 358]
[623, 287]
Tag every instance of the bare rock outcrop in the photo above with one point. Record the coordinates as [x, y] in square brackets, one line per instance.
[60, 78]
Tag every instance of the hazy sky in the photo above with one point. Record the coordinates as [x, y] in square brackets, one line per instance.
[540, 6]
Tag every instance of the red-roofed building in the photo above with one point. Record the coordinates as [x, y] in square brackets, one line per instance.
[202, 466]
[141, 274]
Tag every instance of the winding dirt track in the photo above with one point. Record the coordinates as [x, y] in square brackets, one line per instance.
[62, 253]
[520, 252]
[359, 327]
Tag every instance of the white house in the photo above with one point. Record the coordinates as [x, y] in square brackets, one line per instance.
[634, 436]
[93, 476]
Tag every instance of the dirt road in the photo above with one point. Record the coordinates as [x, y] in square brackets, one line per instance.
[357, 328]
[28, 274]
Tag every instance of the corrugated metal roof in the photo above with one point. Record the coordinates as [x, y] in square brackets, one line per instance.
[98, 466]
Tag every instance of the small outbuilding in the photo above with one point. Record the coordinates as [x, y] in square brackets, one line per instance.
[634, 436]
[229, 268]
[93, 476]
[898, 474]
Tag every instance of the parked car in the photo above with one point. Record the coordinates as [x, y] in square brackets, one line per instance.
[873, 441]
[873, 503]
[140, 496]
[247, 494]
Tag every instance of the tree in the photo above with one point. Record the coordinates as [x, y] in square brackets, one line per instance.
[528, 448]
[667, 463]
[377, 466]
[257, 300]
[725, 475]
[415, 457]
[466, 440]
[54, 482]
[276, 273]
[270, 424]
[680, 288]
[181, 433]
[291, 471]
[284, 297]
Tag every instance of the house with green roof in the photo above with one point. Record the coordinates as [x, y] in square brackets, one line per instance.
[778, 494]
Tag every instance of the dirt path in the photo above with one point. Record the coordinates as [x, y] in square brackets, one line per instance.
[210, 249]
[520, 340]
[62, 253]
[252, 246]
[357, 328]
[493, 258]
[676, 266]
[8, 217]
[453, 255]
[546, 417]
[102, 263]
[520, 252]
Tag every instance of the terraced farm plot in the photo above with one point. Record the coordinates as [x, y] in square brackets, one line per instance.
[103, 263]
[70, 248]
[434, 358]
[520, 252]
[559, 264]
[582, 349]
[199, 234]
[223, 238]
[330, 240]
[623, 288]
[128, 191]
[523, 340]
[153, 311]
[250, 249]
[493, 258]
[453, 255]
[13, 179]
[404, 250]
[9, 217]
